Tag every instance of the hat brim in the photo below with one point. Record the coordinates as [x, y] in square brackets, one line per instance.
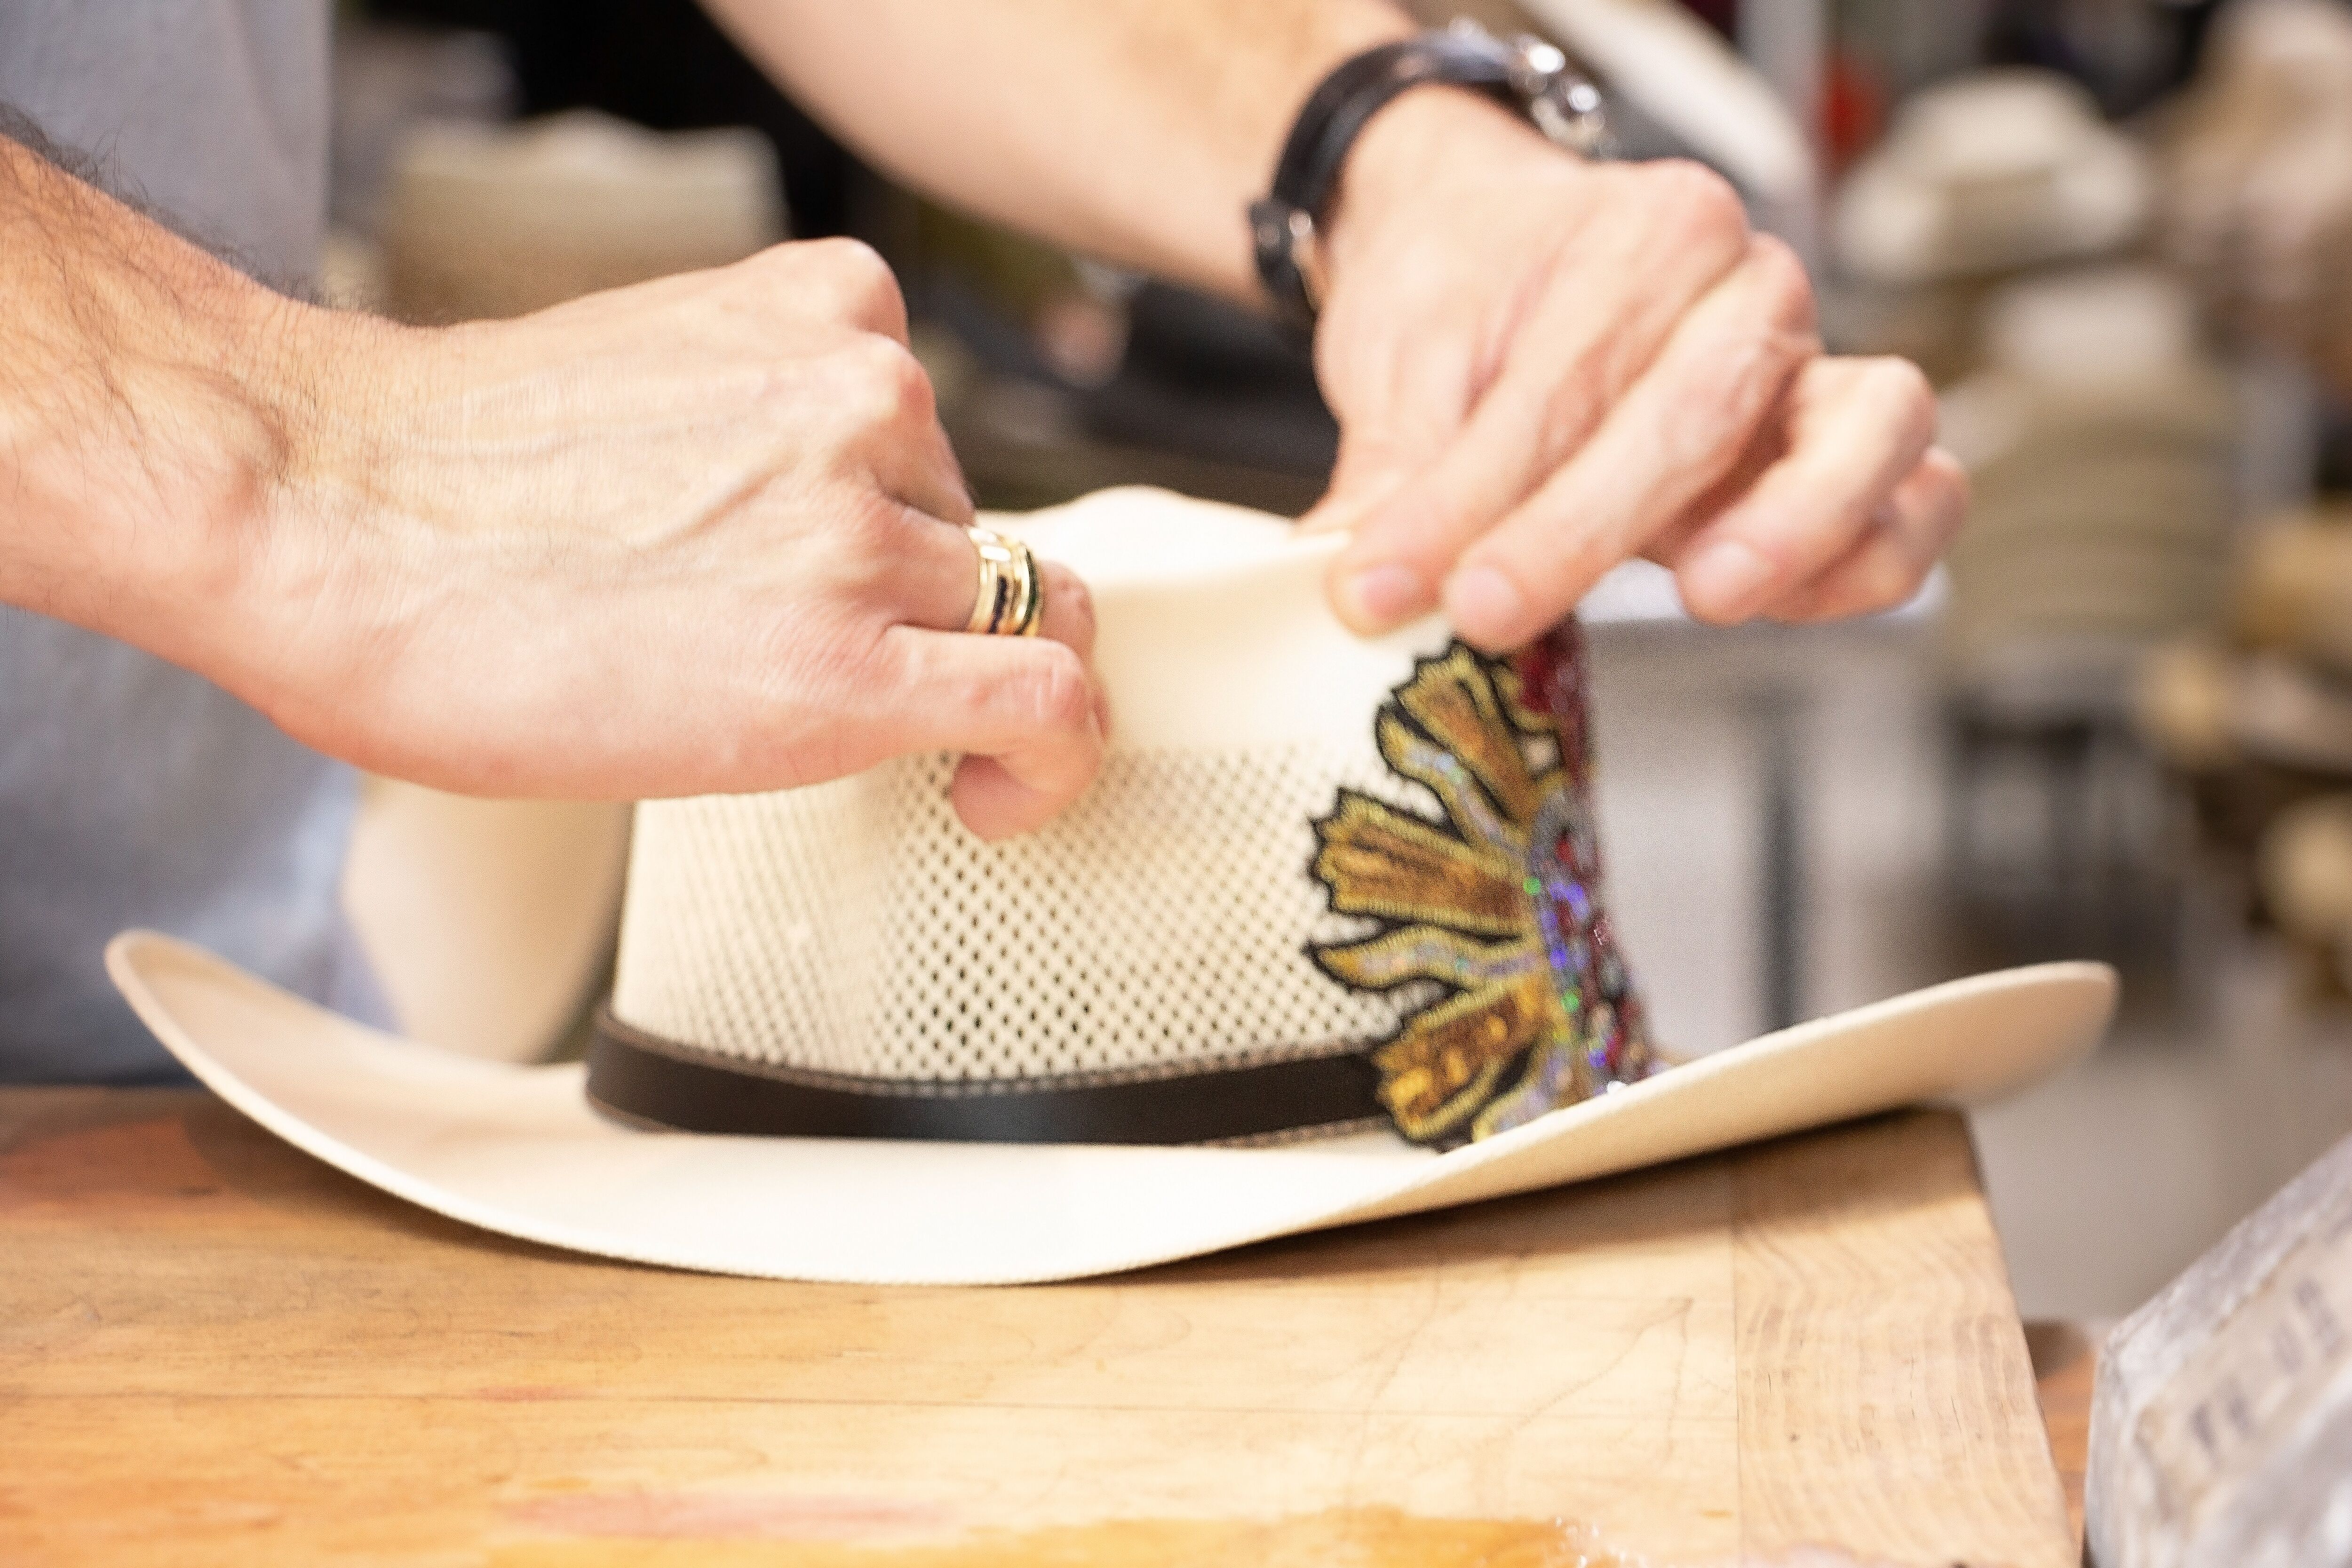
[520, 1151]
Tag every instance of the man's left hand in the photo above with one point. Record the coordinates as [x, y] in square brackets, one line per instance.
[1543, 366]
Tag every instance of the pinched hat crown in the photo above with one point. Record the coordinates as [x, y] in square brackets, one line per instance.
[1322, 883]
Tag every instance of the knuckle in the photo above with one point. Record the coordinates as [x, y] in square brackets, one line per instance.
[1897, 384]
[906, 386]
[1775, 354]
[1733, 393]
[868, 542]
[1748, 368]
[859, 280]
[1788, 288]
[887, 382]
[848, 261]
[1701, 199]
[763, 270]
[1889, 579]
[1574, 401]
[1904, 390]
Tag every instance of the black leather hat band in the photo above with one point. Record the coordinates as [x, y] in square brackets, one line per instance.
[642, 1078]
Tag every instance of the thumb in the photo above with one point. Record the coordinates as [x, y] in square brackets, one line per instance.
[1372, 474]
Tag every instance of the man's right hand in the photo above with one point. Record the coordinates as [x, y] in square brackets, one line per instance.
[704, 535]
[701, 535]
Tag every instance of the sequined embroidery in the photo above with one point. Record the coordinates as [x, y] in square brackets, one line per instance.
[1499, 905]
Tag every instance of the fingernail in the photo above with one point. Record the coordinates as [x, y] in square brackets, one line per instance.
[1725, 579]
[1382, 595]
[1483, 604]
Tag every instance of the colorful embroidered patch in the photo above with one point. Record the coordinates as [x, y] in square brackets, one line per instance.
[1496, 910]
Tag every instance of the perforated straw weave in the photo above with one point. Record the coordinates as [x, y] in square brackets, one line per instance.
[855, 927]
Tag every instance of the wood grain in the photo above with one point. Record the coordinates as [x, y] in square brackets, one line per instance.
[1876, 1336]
[210, 1340]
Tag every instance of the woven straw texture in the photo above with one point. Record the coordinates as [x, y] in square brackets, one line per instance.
[855, 927]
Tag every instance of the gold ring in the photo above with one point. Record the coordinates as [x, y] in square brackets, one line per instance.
[988, 602]
[1009, 599]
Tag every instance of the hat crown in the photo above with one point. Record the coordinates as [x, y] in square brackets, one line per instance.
[1208, 904]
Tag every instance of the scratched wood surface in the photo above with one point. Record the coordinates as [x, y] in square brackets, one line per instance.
[215, 1350]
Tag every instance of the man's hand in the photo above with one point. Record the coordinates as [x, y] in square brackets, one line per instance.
[702, 535]
[1542, 367]
[705, 534]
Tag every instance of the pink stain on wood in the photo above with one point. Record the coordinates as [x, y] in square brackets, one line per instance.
[723, 1516]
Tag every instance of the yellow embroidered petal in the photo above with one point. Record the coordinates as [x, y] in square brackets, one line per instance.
[1472, 813]
[1379, 861]
[1454, 701]
[1427, 952]
[1445, 1065]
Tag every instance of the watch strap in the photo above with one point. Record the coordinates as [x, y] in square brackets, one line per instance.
[1529, 77]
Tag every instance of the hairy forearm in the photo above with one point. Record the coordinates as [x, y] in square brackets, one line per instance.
[692, 536]
[1133, 130]
[144, 413]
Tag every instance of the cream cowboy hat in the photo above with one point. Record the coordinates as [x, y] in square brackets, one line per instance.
[1324, 943]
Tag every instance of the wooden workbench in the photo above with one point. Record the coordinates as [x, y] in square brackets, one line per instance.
[215, 1349]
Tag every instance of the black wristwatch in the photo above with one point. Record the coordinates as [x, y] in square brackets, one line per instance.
[1526, 75]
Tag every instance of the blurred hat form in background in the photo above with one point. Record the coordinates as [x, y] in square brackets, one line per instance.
[2270, 681]
[1996, 170]
[2256, 714]
[2098, 439]
[497, 220]
[2304, 870]
[1327, 941]
[2259, 189]
[2294, 591]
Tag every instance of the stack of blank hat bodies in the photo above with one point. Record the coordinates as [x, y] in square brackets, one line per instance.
[2258, 192]
[2257, 212]
[2096, 430]
[2100, 440]
[2000, 228]
[2258, 712]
